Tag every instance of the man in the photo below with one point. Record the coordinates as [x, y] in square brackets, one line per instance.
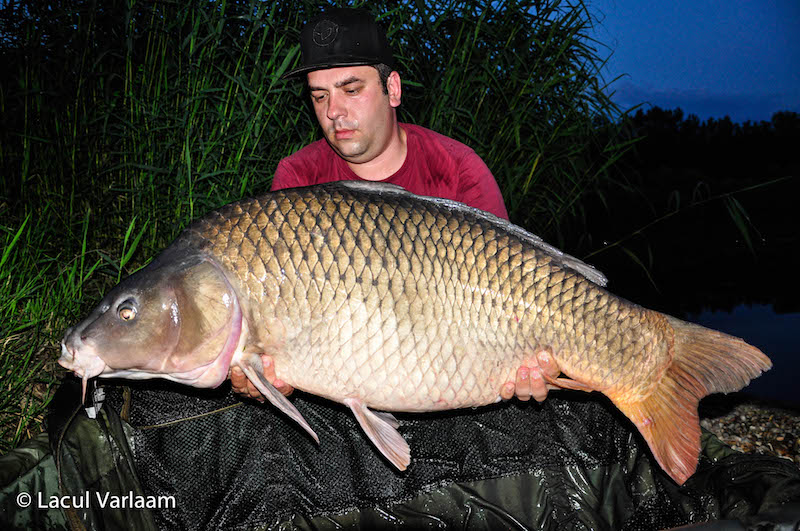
[355, 92]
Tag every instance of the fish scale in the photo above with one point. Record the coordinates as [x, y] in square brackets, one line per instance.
[371, 296]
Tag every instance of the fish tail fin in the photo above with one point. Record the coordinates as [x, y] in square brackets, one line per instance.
[704, 362]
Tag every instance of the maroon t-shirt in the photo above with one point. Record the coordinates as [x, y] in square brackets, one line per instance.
[435, 165]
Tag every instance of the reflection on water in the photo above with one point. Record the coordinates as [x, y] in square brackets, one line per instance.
[776, 334]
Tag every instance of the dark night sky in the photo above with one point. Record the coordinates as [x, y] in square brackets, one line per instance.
[709, 57]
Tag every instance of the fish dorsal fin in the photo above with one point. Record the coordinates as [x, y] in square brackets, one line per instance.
[375, 187]
[392, 190]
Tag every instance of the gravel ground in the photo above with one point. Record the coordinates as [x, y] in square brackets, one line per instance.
[754, 426]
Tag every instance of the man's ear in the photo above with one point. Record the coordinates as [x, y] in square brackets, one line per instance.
[394, 86]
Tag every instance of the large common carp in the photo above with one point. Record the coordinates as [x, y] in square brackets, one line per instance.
[374, 297]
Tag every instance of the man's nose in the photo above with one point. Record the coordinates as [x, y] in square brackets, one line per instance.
[336, 108]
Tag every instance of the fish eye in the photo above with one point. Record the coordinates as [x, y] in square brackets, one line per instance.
[126, 311]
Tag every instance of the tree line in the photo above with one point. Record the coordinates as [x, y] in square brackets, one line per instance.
[704, 208]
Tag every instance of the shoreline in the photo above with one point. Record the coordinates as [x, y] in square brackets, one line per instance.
[753, 425]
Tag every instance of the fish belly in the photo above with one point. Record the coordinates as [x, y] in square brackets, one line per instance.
[425, 360]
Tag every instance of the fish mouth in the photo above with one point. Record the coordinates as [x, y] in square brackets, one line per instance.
[83, 365]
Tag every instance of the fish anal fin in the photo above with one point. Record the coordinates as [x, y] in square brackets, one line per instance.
[704, 361]
[380, 427]
[253, 373]
[567, 383]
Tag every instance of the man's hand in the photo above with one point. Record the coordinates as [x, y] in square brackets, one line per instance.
[245, 387]
[530, 381]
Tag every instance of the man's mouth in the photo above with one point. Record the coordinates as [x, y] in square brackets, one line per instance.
[343, 134]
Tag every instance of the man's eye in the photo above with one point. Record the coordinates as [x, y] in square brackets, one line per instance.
[319, 98]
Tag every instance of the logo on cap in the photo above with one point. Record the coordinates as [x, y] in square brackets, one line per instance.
[325, 32]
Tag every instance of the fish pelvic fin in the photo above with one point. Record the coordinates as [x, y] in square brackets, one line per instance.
[704, 362]
[253, 373]
[381, 428]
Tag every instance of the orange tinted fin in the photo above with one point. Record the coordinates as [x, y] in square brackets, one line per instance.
[704, 362]
[567, 383]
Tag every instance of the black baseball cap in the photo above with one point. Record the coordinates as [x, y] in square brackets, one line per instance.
[342, 37]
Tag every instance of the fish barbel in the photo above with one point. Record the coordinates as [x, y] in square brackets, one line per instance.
[379, 299]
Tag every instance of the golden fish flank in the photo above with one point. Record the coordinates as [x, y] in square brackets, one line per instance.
[376, 298]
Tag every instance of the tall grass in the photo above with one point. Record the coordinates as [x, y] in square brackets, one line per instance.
[124, 119]
[520, 83]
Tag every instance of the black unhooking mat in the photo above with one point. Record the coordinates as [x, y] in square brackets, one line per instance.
[573, 462]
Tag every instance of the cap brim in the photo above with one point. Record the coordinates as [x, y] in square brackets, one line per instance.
[329, 64]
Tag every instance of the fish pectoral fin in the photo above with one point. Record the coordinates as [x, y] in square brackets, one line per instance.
[381, 428]
[276, 398]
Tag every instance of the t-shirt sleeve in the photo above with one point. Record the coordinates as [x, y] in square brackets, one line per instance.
[478, 188]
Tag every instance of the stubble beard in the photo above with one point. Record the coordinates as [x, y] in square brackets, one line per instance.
[347, 148]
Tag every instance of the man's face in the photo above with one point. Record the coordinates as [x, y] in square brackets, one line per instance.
[356, 116]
